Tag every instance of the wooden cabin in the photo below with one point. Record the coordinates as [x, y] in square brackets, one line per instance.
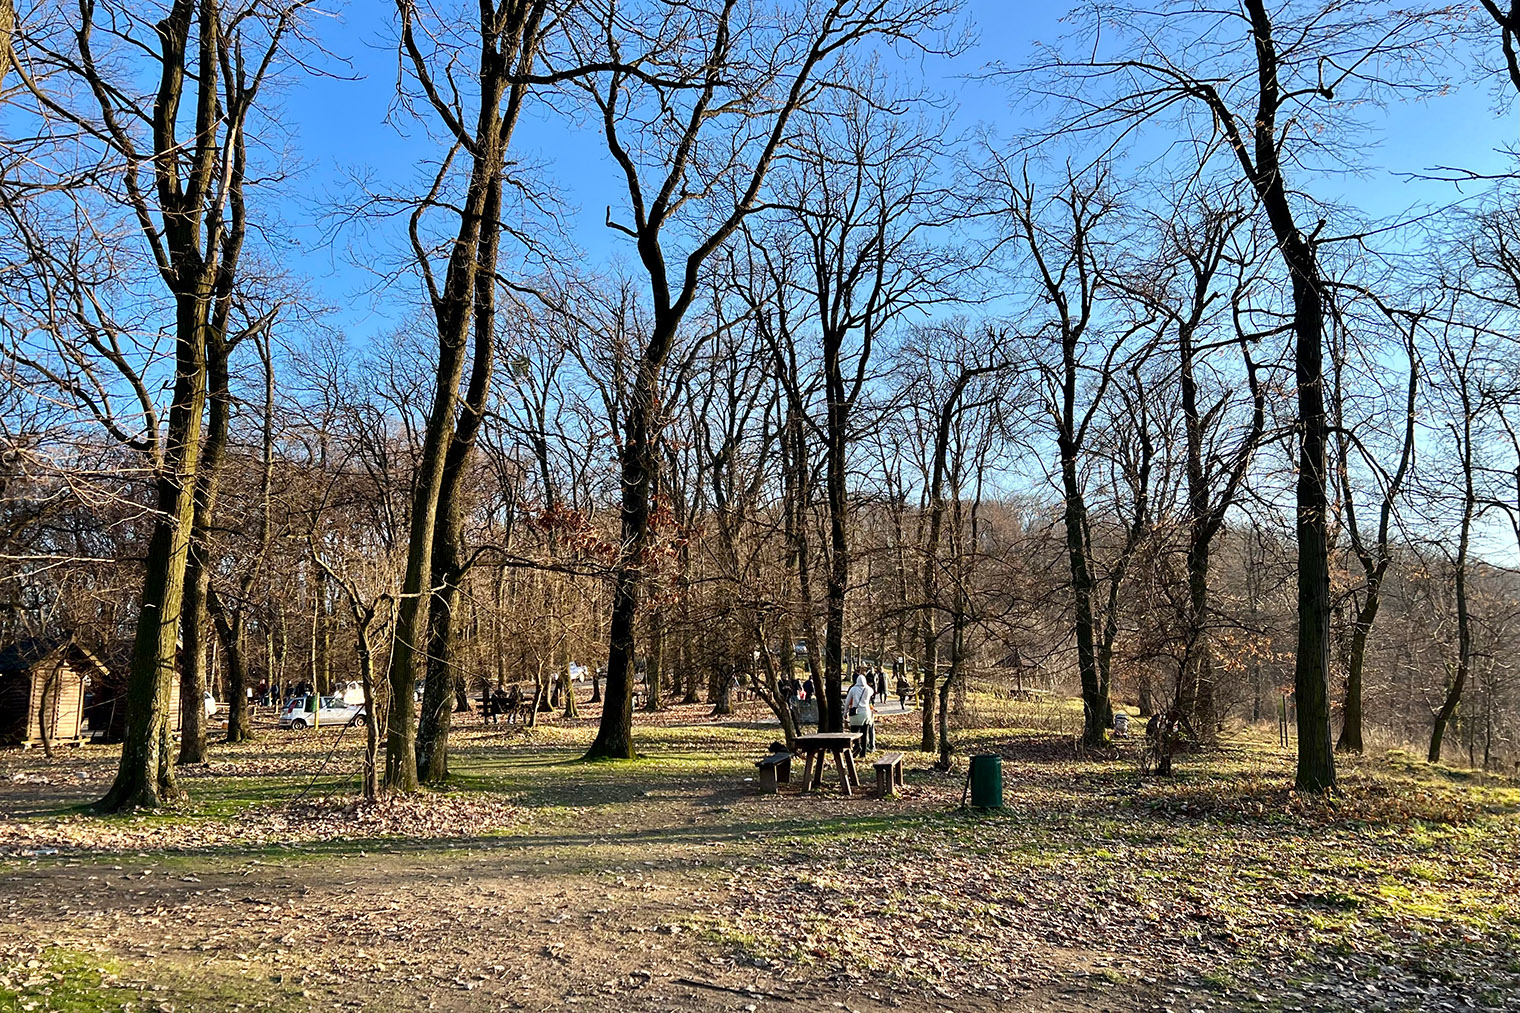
[106, 706]
[42, 690]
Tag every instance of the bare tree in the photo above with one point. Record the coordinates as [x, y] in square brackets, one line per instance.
[191, 216]
[860, 189]
[1374, 555]
[1181, 285]
[1272, 90]
[1464, 367]
[1089, 353]
[957, 454]
[504, 49]
[694, 153]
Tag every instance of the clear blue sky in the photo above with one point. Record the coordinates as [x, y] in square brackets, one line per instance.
[339, 129]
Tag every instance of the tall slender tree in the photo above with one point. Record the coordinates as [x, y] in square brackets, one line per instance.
[694, 153]
[503, 49]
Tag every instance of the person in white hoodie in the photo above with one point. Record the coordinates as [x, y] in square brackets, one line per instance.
[857, 707]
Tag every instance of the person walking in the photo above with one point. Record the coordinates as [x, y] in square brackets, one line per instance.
[857, 705]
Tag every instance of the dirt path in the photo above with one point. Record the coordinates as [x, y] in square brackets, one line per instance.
[495, 926]
[626, 904]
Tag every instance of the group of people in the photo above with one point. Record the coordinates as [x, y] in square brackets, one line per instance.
[501, 703]
[876, 679]
[269, 695]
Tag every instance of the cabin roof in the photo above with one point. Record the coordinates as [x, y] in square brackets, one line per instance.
[21, 656]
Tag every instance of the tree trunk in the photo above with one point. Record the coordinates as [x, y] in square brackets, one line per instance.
[1095, 704]
[230, 629]
[366, 660]
[438, 691]
[946, 747]
[1350, 740]
[837, 585]
[614, 735]
[1196, 696]
[572, 709]
[1458, 682]
[656, 668]
[197, 624]
[145, 775]
[721, 689]
[192, 677]
[772, 689]
[1311, 667]
[1311, 671]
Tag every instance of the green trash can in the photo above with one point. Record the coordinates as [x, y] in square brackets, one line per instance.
[987, 781]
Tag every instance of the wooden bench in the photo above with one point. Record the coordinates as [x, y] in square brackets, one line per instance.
[889, 773]
[775, 768]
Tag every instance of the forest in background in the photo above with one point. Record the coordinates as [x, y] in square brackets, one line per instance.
[1114, 405]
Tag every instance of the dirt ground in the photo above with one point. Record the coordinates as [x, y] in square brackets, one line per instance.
[542, 883]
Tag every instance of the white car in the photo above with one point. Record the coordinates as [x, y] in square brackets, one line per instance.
[301, 713]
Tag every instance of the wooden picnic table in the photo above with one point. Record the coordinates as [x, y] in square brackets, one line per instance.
[814, 747]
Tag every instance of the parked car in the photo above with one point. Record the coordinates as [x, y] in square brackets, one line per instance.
[301, 712]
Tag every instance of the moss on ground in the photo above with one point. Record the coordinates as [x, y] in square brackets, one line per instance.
[62, 979]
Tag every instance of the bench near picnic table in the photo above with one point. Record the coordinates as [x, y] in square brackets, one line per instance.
[889, 773]
[777, 767]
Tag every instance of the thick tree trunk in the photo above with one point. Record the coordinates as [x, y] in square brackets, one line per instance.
[1196, 698]
[614, 736]
[1311, 675]
[835, 465]
[197, 623]
[438, 691]
[409, 648]
[1095, 703]
[145, 774]
[192, 678]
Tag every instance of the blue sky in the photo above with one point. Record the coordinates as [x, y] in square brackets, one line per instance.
[338, 126]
